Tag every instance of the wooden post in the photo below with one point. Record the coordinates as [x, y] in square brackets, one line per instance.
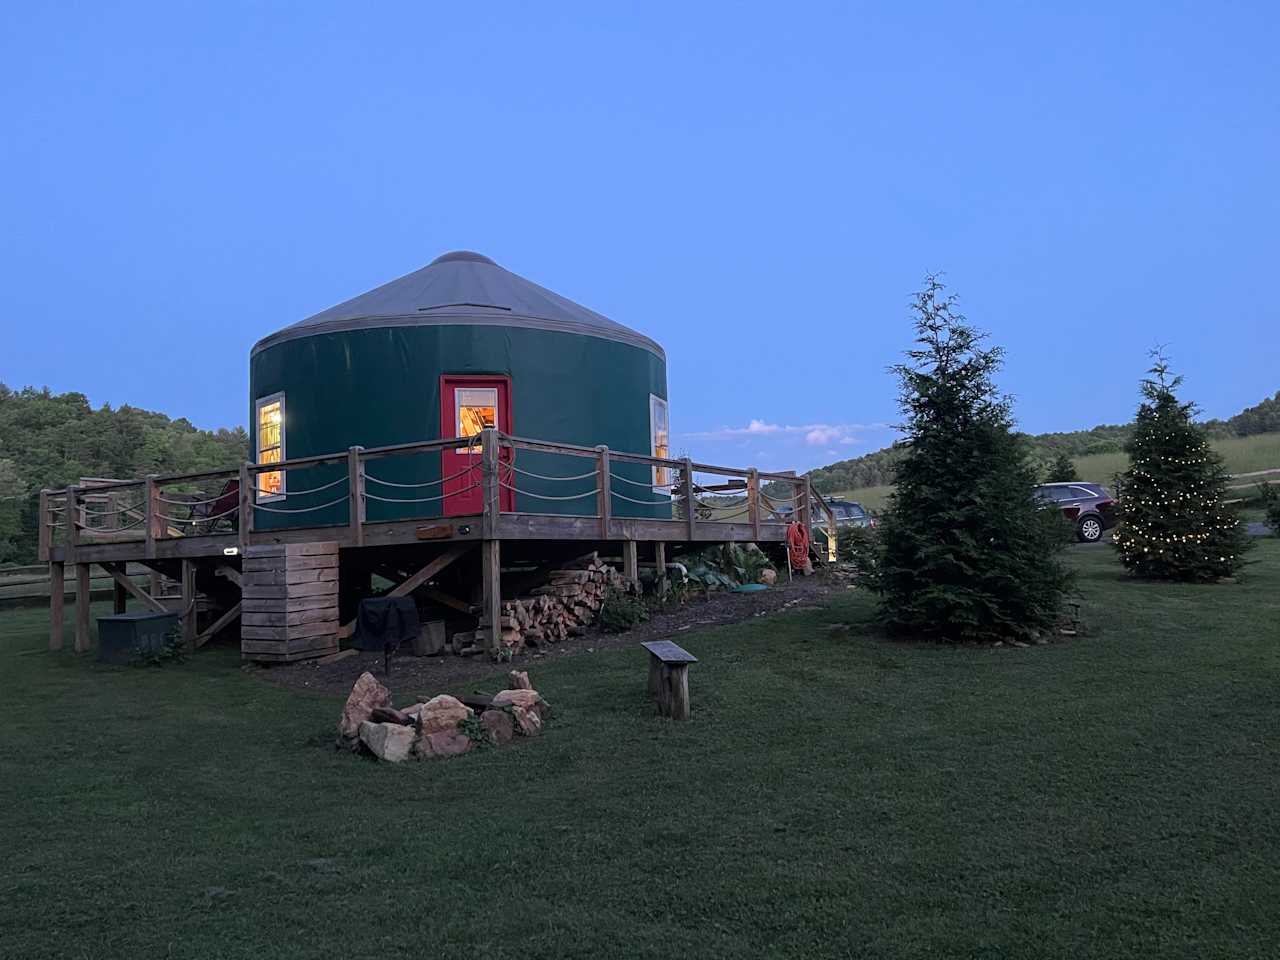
[57, 603]
[489, 482]
[189, 605]
[753, 502]
[491, 592]
[355, 487]
[119, 597]
[675, 684]
[71, 513]
[660, 562]
[154, 521]
[45, 536]
[808, 509]
[630, 562]
[82, 607]
[153, 586]
[246, 505]
[605, 497]
[689, 505]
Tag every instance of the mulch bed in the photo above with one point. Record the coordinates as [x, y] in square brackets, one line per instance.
[413, 675]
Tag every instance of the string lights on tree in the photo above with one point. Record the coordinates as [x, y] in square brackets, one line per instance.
[1175, 523]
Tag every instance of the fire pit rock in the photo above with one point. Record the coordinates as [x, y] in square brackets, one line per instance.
[388, 741]
[441, 727]
[365, 695]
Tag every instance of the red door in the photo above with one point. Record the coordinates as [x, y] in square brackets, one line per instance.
[467, 406]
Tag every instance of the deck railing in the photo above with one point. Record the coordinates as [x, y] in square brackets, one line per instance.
[491, 474]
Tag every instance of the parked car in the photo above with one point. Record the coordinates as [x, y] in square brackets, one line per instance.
[1087, 506]
[848, 513]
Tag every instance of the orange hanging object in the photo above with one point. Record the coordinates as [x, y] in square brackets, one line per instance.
[798, 545]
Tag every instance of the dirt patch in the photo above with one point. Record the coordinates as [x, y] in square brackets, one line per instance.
[429, 675]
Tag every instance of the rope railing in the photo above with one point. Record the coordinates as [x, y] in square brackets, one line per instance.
[643, 503]
[425, 483]
[540, 496]
[195, 520]
[540, 476]
[126, 526]
[324, 486]
[318, 506]
[641, 483]
[112, 513]
[448, 493]
[628, 479]
[189, 503]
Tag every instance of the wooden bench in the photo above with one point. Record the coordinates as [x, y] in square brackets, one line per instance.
[669, 677]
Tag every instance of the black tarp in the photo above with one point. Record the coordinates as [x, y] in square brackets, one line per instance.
[383, 623]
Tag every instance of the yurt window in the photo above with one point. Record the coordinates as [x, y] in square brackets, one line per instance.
[270, 417]
[660, 434]
[477, 410]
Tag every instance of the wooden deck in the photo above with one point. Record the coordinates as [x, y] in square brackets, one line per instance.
[194, 527]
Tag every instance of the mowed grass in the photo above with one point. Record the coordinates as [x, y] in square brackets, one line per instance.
[834, 795]
[1241, 455]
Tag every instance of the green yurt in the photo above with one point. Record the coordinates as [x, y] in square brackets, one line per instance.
[442, 352]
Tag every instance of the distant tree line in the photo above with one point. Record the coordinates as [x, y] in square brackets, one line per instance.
[52, 440]
[877, 469]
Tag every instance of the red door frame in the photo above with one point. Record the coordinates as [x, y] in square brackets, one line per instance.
[459, 499]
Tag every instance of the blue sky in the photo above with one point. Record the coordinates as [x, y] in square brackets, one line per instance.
[758, 187]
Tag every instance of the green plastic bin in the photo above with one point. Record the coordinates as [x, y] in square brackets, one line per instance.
[124, 635]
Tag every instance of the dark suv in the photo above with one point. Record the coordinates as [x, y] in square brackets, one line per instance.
[1087, 506]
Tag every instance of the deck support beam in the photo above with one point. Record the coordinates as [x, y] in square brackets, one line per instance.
[491, 593]
[660, 565]
[125, 585]
[189, 604]
[82, 607]
[217, 625]
[57, 603]
[119, 598]
[630, 562]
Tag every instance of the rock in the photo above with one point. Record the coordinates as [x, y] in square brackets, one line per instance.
[519, 680]
[388, 741]
[499, 725]
[390, 715]
[365, 695]
[412, 711]
[441, 743]
[442, 713]
[768, 577]
[526, 699]
[527, 721]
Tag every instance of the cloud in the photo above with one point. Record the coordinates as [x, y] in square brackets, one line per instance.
[814, 434]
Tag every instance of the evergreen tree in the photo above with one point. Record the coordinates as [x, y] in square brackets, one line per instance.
[965, 552]
[1062, 470]
[1173, 522]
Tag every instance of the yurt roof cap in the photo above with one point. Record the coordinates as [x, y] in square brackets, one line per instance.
[462, 287]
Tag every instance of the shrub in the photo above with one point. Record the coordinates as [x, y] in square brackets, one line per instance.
[621, 611]
[859, 546]
[1271, 505]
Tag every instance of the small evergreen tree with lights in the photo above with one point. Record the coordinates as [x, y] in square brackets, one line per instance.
[1062, 470]
[965, 551]
[1174, 524]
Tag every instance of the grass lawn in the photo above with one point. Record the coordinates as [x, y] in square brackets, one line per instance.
[835, 795]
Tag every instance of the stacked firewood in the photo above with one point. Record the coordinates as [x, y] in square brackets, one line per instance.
[564, 607]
